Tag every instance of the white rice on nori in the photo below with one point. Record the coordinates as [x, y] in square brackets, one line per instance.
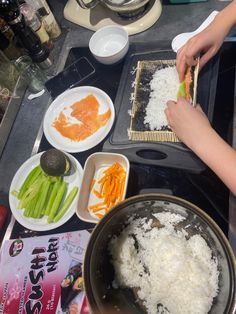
[172, 274]
[164, 86]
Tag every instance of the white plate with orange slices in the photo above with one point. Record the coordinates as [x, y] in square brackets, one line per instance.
[79, 119]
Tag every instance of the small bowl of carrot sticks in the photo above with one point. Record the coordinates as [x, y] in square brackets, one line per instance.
[104, 185]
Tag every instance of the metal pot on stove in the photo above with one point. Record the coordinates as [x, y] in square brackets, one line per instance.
[129, 7]
[99, 272]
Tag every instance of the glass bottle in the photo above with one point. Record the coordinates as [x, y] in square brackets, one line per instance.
[34, 77]
[9, 74]
[10, 12]
[35, 24]
[43, 10]
[8, 47]
[6, 30]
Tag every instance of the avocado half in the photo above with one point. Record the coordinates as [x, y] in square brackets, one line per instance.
[55, 163]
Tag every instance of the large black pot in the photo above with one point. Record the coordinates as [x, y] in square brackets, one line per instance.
[99, 273]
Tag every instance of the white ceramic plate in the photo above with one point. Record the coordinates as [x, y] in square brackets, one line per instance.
[41, 224]
[63, 103]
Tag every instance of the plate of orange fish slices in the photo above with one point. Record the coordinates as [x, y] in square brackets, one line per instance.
[79, 119]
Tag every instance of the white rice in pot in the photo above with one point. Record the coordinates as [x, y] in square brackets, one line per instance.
[171, 272]
[164, 86]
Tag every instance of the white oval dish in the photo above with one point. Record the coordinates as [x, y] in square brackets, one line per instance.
[63, 103]
[41, 224]
[93, 169]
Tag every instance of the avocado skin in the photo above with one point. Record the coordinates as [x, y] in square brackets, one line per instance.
[54, 162]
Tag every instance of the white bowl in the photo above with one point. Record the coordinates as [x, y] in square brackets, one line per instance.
[93, 169]
[109, 44]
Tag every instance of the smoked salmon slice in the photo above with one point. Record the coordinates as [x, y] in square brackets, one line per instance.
[89, 121]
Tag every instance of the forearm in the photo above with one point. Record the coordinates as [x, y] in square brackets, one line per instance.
[219, 156]
[226, 19]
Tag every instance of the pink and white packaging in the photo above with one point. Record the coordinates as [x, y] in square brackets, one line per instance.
[33, 273]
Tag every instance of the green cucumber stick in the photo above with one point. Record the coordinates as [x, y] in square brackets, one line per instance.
[34, 173]
[47, 198]
[52, 197]
[32, 187]
[182, 90]
[41, 200]
[57, 201]
[31, 191]
[69, 199]
[29, 209]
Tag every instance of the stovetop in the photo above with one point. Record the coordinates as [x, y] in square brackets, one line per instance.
[203, 189]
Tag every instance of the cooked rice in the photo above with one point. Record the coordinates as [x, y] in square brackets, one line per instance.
[164, 86]
[171, 272]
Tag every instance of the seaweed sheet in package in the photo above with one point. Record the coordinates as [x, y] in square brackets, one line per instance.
[139, 131]
[43, 274]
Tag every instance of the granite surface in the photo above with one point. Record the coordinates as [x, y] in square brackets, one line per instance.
[174, 19]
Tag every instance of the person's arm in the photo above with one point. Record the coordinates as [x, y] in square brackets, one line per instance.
[193, 128]
[219, 156]
[206, 42]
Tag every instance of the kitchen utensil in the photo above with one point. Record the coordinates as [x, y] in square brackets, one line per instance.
[121, 6]
[196, 71]
[99, 273]
[181, 39]
[109, 44]
[100, 16]
[93, 169]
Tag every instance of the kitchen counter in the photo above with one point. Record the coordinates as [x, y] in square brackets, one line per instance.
[174, 19]
[21, 143]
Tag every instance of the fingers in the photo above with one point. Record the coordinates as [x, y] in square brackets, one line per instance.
[173, 109]
[187, 56]
[199, 108]
[206, 57]
[170, 103]
[192, 52]
[184, 59]
[181, 63]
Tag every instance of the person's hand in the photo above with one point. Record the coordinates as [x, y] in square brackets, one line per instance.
[189, 123]
[207, 42]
